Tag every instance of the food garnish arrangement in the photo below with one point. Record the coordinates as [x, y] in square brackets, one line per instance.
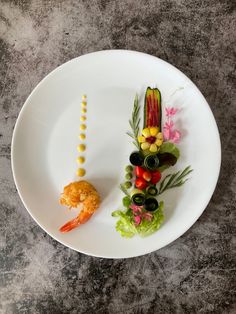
[80, 193]
[155, 151]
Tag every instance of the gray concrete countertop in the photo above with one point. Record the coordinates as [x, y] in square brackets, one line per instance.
[196, 273]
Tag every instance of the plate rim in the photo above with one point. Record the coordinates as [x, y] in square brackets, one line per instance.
[114, 51]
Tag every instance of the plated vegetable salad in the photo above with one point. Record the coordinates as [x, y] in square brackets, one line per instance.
[156, 151]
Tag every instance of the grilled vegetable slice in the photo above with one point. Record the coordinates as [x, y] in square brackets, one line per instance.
[152, 108]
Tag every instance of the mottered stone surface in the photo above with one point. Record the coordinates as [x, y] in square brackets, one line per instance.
[196, 273]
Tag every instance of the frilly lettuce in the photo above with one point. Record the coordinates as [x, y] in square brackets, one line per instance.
[127, 228]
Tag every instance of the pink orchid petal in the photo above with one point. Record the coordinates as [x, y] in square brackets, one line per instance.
[137, 220]
[170, 111]
[167, 134]
[169, 125]
[136, 209]
[147, 216]
[176, 135]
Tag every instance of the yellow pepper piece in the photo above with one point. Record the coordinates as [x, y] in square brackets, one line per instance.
[153, 148]
[82, 127]
[81, 172]
[80, 160]
[141, 139]
[84, 97]
[153, 131]
[145, 145]
[81, 147]
[158, 142]
[146, 132]
[84, 104]
[82, 118]
[83, 110]
[160, 136]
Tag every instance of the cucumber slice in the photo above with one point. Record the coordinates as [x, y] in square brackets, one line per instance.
[152, 108]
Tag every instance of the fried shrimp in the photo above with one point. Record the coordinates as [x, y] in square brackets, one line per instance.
[80, 193]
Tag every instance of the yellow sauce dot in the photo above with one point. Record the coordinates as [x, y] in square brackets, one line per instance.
[82, 127]
[83, 110]
[82, 136]
[81, 172]
[84, 97]
[82, 118]
[80, 160]
[83, 104]
[81, 147]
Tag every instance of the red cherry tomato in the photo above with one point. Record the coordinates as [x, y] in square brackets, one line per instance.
[147, 176]
[140, 183]
[156, 177]
[139, 171]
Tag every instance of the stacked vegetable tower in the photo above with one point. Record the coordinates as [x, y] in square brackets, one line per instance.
[155, 153]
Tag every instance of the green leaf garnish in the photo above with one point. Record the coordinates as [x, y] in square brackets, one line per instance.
[171, 148]
[134, 122]
[124, 189]
[174, 180]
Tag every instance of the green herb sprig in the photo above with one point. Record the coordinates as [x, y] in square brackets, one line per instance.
[134, 123]
[174, 180]
[124, 190]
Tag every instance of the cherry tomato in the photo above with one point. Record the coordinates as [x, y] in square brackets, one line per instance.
[156, 177]
[140, 183]
[139, 171]
[147, 176]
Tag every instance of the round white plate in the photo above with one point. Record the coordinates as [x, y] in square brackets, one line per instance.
[46, 136]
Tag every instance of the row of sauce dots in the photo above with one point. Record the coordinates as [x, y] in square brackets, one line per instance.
[82, 147]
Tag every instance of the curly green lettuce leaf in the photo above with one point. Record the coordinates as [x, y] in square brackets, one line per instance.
[171, 148]
[127, 228]
[125, 225]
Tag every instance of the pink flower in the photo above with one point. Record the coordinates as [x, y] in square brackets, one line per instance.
[171, 134]
[147, 216]
[136, 209]
[175, 136]
[137, 220]
[170, 111]
[169, 124]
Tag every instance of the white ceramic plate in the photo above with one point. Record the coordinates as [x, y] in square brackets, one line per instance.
[46, 136]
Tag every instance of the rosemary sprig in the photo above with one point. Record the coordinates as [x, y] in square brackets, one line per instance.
[124, 190]
[174, 180]
[134, 122]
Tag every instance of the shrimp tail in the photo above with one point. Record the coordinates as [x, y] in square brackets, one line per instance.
[76, 222]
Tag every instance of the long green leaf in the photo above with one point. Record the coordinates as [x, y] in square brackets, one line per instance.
[174, 180]
[134, 122]
[124, 190]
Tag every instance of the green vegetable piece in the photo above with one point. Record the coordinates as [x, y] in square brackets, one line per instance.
[127, 184]
[152, 191]
[125, 225]
[129, 176]
[170, 148]
[135, 191]
[138, 199]
[151, 162]
[129, 168]
[126, 201]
